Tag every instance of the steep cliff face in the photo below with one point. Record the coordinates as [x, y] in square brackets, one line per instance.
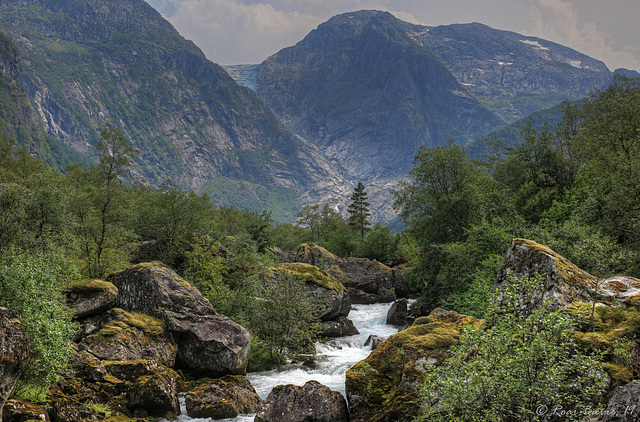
[368, 95]
[511, 74]
[91, 61]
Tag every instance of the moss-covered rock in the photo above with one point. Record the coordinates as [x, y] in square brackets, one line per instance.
[310, 253]
[226, 397]
[208, 343]
[386, 385]
[90, 297]
[20, 410]
[328, 295]
[128, 336]
[375, 279]
[155, 395]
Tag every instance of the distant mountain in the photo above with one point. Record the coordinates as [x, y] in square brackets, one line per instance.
[361, 89]
[512, 74]
[368, 89]
[89, 62]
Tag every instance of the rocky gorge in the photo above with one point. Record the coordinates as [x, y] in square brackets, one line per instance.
[145, 328]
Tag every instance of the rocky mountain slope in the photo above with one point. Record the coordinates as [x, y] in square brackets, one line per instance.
[369, 89]
[368, 95]
[511, 74]
[89, 62]
[19, 124]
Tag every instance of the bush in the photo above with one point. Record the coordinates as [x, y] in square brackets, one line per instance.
[516, 368]
[32, 285]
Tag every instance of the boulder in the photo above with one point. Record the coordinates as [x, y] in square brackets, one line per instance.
[23, 411]
[564, 283]
[128, 336]
[371, 277]
[155, 395]
[386, 385]
[91, 297]
[226, 397]
[14, 345]
[374, 341]
[312, 402]
[208, 343]
[397, 314]
[339, 327]
[358, 296]
[328, 295]
[132, 370]
[86, 366]
[310, 253]
[623, 404]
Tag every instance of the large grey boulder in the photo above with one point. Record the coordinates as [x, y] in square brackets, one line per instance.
[91, 297]
[208, 342]
[312, 402]
[398, 312]
[310, 253]
[225, 397]
[14, 347]
[155, 395]
[368, 281]
[623, 404]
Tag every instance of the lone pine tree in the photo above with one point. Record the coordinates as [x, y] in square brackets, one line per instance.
[359, 210]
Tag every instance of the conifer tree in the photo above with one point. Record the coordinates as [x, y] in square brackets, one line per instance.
[359, 210]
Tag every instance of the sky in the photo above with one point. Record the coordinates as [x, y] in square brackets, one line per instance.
[249, 31]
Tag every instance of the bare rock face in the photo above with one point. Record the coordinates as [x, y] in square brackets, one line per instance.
[312, 402]
[91, 297]
[208, 343]
[226, 397]
[14, 345]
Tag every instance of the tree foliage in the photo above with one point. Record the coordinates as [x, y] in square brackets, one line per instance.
[359, 211]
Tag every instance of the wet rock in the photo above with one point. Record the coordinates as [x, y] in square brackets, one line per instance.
[339, 327]
[155, 395]
[128, 336]
[14, 347]
[397, 314]
[374, 341]
[132, 370]
[358, 296]
[386, 385]
[208, 343]
[312, 402]
[91, 297]
[226, 397]
[23, 411]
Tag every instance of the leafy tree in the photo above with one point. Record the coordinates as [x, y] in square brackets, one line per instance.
[101, 201]
[285, 318]
[310, 217]
[359, 211]
[444, 196]
[505, 369]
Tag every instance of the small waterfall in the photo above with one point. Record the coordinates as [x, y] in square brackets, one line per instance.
[334, 357]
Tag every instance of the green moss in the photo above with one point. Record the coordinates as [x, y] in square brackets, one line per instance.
[313, 274]
[126, 320]
[620, 374]
[90, 285]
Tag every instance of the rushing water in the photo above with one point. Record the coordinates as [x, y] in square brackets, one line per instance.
[334, 358]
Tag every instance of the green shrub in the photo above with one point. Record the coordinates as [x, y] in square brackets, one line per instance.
[32, 285]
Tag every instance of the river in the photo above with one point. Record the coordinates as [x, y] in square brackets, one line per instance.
[334, 358]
